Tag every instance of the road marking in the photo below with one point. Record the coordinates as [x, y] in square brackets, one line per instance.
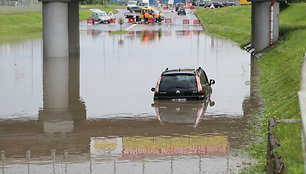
[128, 28]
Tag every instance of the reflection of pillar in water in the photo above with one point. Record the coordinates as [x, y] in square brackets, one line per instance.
[76, 107]
[55, 113]
[212, 42]
[62, 106]
[252, 103]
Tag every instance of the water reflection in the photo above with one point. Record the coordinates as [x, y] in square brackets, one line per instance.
[148, 147]
[61, 94]
[188, 112]
[95, 110]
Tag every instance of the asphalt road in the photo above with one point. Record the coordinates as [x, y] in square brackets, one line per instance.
[177, 23]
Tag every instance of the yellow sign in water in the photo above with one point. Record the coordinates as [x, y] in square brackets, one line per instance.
[183, 145]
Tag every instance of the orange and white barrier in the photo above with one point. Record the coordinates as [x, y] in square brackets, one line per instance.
[185, 21]
[132, 20]
[90, 21]
[151, 20]
[168, 20]
[196, 22]
[112, 20]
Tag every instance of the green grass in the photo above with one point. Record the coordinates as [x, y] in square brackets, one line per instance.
[119, 32]
[228, 22]
[22, 26]
[279, 78]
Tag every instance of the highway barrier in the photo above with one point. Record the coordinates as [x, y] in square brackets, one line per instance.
[151, 20]
[90, 21]
[168, 20]
[112, 20]
[132, 20]
[196, 22]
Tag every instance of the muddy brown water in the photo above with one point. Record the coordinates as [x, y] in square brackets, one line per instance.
[95, 113]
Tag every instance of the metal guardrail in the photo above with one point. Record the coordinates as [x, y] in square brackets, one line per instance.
[275, 162]
[19, 6]
[302, 102]
[18, 2]
[20, 9]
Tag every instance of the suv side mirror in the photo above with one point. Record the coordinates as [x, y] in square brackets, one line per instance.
[212, 81]
[152, 89]
[211, 103]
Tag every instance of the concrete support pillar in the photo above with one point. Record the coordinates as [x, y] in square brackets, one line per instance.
[73, 27]
[260, 25]
[263, 25]
[61, 73]
[55, 29]
[276, 21]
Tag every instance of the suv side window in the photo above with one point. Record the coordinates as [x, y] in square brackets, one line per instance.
[203, 78]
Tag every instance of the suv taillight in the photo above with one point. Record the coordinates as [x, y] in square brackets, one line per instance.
[200, 88]
[157, 85]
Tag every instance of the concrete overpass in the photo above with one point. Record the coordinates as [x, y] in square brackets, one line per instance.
[61, 26]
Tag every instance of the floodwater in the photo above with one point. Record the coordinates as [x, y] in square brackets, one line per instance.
[94, 113]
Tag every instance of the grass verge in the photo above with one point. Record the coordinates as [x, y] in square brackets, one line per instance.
[279, 78]
[231, 22]
[119, 32]
[22, 26]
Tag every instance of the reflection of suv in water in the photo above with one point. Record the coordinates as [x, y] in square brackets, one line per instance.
[177, 5]
[189, 112]
[181, 10]
[183, 84]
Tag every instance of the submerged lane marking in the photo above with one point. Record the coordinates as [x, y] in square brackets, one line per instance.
[128, 28]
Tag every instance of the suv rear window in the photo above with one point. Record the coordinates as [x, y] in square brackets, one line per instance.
[180, 81]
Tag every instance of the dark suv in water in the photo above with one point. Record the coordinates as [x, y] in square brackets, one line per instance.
[183, 84]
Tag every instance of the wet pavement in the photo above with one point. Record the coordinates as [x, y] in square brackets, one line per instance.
[94, 112]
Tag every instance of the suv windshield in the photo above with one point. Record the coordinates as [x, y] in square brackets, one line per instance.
[181, 81]
[132, 3]
[102, 14]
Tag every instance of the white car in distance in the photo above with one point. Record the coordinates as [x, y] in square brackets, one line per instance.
[100, 16]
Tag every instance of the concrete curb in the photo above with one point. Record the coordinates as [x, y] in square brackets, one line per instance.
[302, 102]
[199, 20]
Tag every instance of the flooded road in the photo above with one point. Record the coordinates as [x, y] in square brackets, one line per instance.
[94, 113]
